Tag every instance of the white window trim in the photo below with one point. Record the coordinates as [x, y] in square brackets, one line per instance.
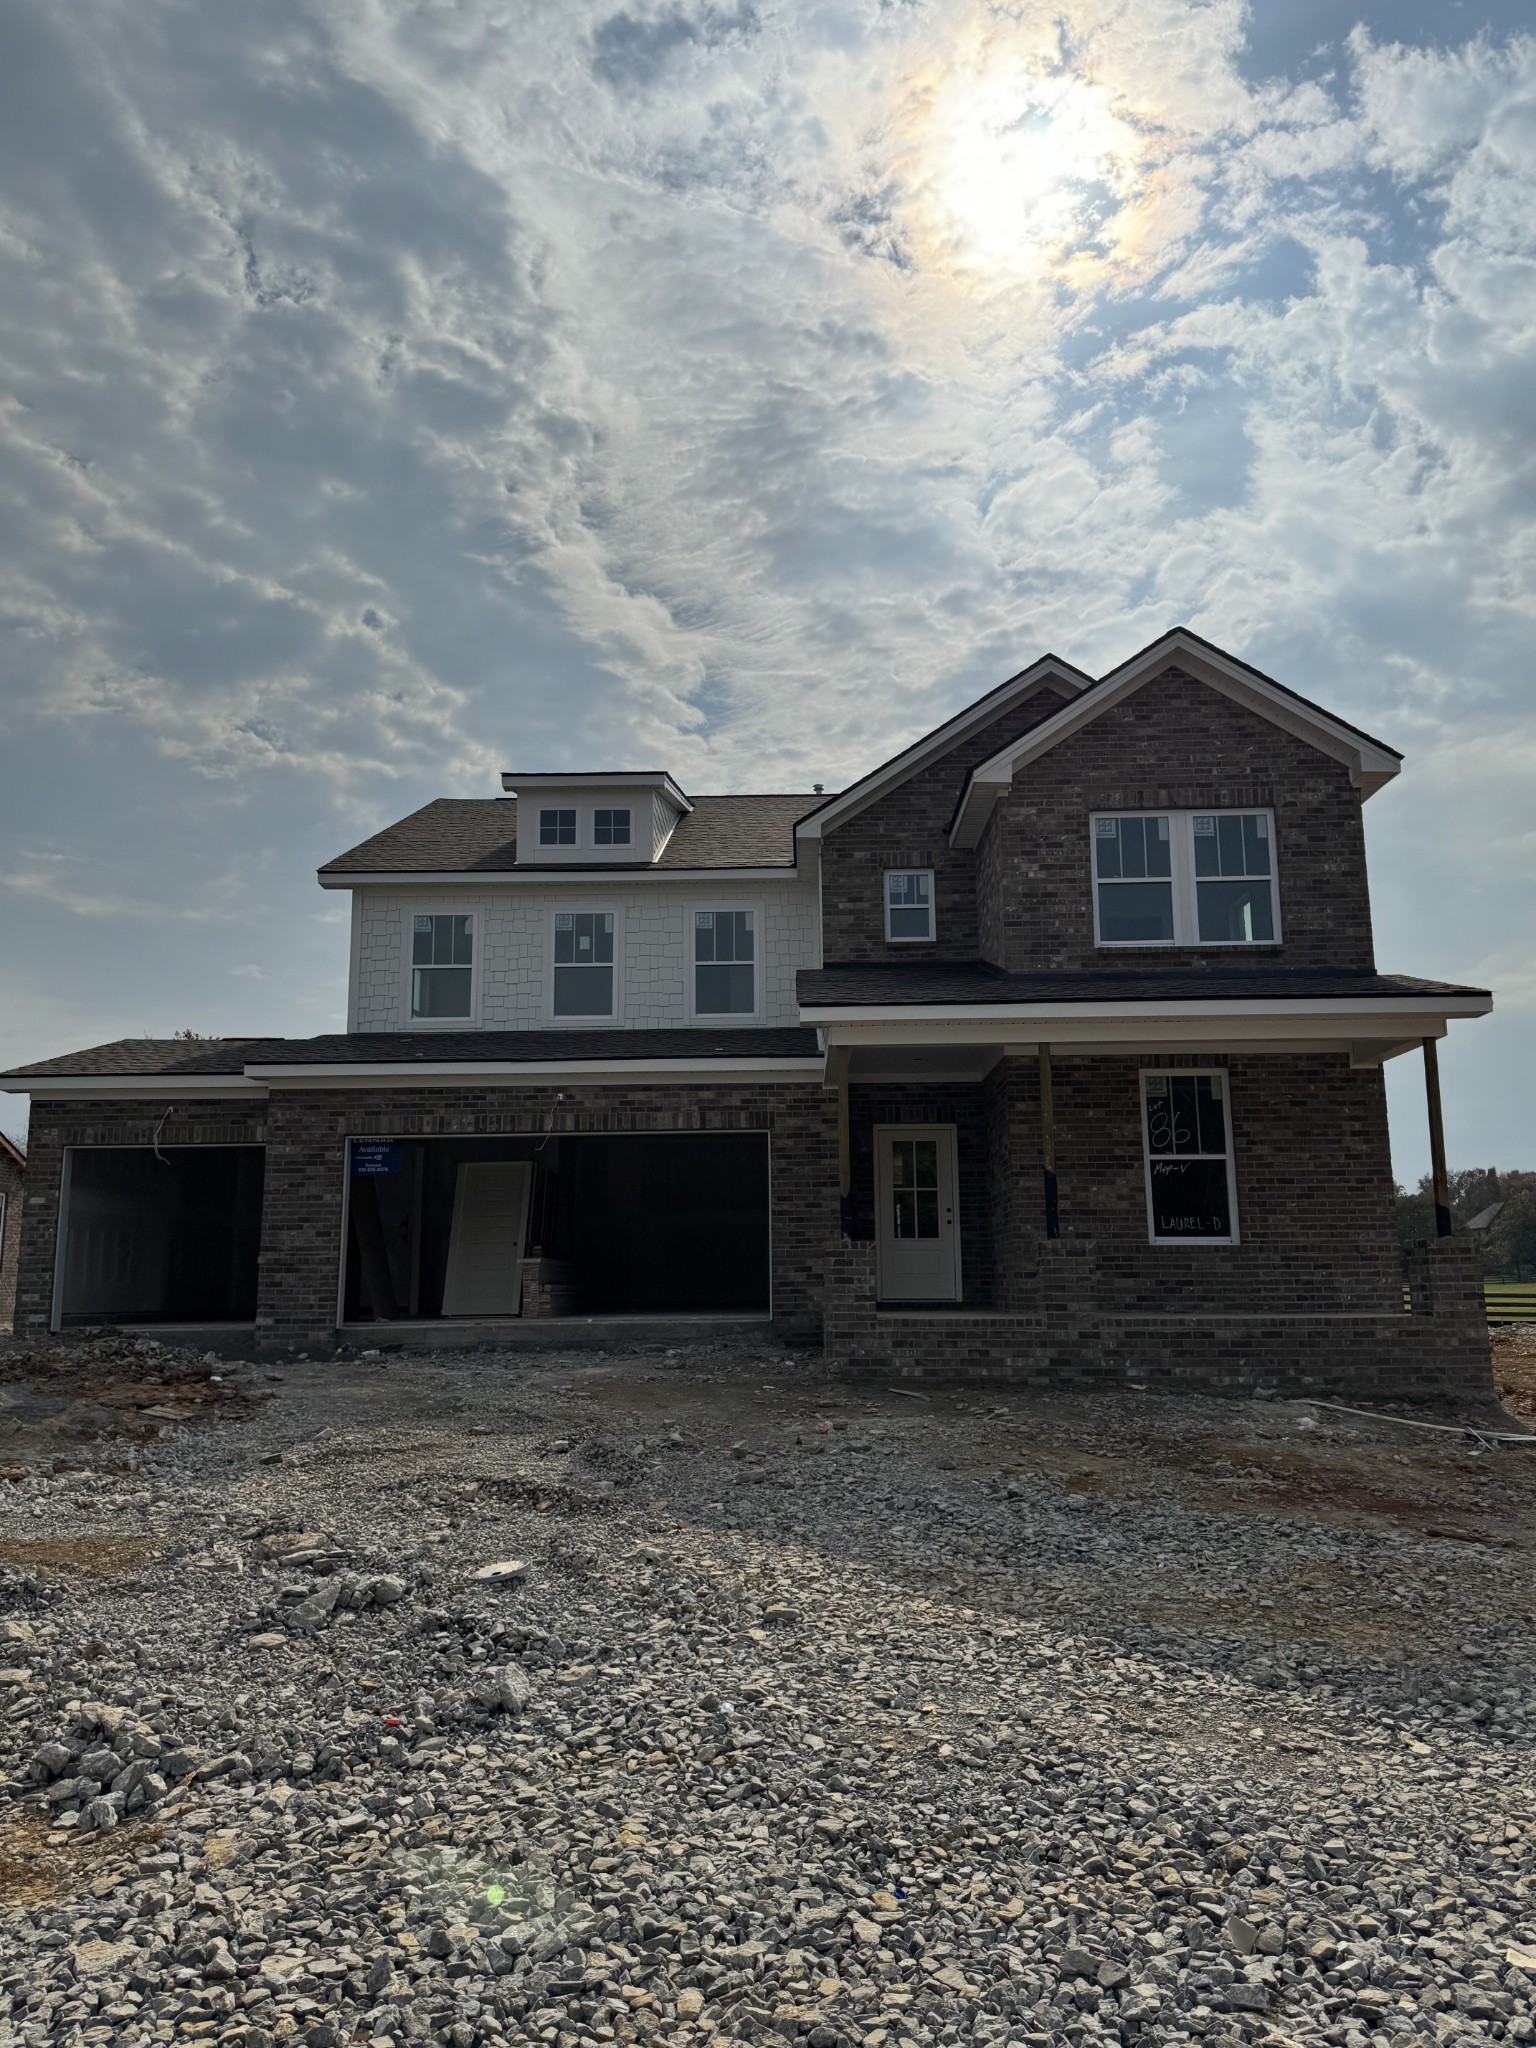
[1181, 839]
[1181, 1244]
[585, 907]
[933, 907]
[577, 845]
[623, 846]
[723, 1018]
[476, 948]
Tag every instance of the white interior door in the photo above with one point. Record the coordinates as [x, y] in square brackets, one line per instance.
[917, 1231]
[485, 1245]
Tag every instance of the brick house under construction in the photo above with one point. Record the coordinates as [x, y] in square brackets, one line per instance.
[1052, 1049]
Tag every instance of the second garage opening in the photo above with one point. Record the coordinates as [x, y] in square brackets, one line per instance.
[599, 1225]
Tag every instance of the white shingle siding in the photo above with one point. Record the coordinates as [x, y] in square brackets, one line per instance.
[512, 948]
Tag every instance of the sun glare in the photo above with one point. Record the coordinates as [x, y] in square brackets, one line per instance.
[1024, 170]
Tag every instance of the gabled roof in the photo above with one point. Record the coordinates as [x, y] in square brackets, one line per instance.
[469, 836]
[1048, 672]
[13, 1151]
[1371, 762]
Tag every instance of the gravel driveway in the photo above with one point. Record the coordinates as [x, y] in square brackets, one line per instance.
[700, 1697]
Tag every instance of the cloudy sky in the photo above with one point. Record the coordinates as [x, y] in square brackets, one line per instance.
[396, 390]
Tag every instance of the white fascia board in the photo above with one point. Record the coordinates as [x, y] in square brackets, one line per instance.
[620, 778]
[1213, 1012]
[871, 787]
[552, 877]
[51, 1088]
[1370, 766]
[445, 1073]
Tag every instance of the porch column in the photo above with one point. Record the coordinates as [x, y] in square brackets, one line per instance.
[1048, 1143]
[840, 1057]
[1438, 1176]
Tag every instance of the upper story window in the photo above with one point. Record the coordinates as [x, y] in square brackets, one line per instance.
[1234, 878]
[1185, 878]
[557, 828]
[909, 906]
[610, 828]
[583, 965]
[724, 963]
[442, 965]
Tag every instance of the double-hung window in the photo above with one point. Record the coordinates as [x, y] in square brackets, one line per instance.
[908, 905]
[1234, 878]
[1133, 879]
[557, 828]
[442, 966]
[724, 963]
[1185, 878]
[583, 967]
[610, 828]
[1191, 1196]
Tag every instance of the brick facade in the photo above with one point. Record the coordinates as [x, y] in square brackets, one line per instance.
[909, 828]
[13, 1183]
[1175, 744]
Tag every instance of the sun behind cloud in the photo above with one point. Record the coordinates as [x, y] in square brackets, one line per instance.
[1021, 168]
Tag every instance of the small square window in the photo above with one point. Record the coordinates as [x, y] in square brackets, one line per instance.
[610, 828]
[557, 828]
[442, 966]
[909, 905]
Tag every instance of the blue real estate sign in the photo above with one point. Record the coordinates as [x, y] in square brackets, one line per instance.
[375, 1156]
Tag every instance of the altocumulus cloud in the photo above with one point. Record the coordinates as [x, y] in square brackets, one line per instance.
[394, 392]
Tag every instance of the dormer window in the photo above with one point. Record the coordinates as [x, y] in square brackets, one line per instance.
[610, 828]
[557, 828]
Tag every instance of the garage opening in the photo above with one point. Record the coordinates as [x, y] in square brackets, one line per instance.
[587, 1225]
[168, 1236]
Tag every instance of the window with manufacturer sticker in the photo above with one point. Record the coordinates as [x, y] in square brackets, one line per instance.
[583, 966]
[1185, 878]
[724, 963]
[442, 965]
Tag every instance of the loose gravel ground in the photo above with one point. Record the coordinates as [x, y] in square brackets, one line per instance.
[701, 1697]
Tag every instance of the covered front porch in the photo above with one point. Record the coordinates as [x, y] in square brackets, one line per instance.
[1153, 1192]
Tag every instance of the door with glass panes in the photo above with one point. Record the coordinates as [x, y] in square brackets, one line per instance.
[917, 1228]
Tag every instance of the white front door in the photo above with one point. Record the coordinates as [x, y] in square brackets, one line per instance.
[485, 1243]
[917, 1233]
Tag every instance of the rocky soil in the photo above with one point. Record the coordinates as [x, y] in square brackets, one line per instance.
[704, 1698]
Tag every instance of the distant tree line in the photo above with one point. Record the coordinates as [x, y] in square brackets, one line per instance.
[1508, 1242]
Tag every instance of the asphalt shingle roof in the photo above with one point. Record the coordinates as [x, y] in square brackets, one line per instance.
[216, 1058]
[478, 835]
[882, 985]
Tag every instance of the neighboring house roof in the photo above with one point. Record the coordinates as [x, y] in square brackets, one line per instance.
[478, 836]
[1484, 1218]
[1049, 672]
[213, 1059]
[13, 1151]
[898, 984]
[1371, 762]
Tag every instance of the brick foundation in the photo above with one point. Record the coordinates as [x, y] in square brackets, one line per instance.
[1437, 1352]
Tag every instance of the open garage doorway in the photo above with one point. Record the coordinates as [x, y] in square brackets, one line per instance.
[158, 1236]
[584, 1225]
